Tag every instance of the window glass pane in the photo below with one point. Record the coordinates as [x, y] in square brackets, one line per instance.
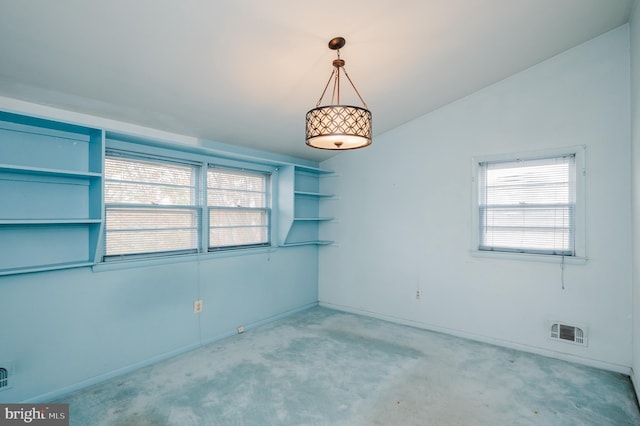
[141, 182]
[239, 213]
[233, 237]
[231, 227]
[158, 241]
[237, 180]
[226, 188]
[231, 217]
[149, 230]
[134, 170]
[138, 221]
[528, 205]
[135, 193]
[229, 198]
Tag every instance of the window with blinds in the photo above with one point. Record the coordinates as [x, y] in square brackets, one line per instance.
[528, 206]
[151, 207]
[239, 212]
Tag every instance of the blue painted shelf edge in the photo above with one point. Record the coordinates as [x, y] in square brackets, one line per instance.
[307, 243]
[48, 221]
[313, 170]
[47, 172]
[43, 268]
[314, 194]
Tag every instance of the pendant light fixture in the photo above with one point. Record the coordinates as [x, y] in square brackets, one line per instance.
[335, 126]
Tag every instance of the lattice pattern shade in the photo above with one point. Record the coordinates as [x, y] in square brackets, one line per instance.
[338, 127]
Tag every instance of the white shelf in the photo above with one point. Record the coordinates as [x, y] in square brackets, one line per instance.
[299, 203]
[313, 170]
[48, 221]
[307, 243]
[51, 209]
[313, 194]
[47, 172]
[42, 268]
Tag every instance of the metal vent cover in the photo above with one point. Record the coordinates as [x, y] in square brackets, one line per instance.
[568, 333]
[4, 378]
[6, 375]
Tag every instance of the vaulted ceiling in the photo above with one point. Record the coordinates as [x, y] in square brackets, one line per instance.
[245, 72]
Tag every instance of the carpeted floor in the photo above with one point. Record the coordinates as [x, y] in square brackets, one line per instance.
[323, 367]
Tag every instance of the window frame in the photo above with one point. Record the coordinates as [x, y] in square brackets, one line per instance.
[579, 226]
[195, 207]
[142, 150]
[208, 208]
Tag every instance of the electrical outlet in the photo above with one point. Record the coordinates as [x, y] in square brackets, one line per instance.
[197, 306]
[418, 294]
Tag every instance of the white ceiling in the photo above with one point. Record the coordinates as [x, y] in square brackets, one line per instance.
[245, 72]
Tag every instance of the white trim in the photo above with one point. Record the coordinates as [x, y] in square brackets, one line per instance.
[580, 206]
[635, 380]
[529, 257]
[603, 365]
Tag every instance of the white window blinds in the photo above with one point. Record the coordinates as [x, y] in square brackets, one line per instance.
[528, 206]
[151, 206]
[238, 208]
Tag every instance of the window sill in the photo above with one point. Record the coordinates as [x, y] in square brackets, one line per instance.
[114, 265]
[528, 257]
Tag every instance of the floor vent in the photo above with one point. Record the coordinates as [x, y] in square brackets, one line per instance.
[568, 333]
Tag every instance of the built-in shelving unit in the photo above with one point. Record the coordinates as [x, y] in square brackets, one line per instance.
[51, 189]
[52, 194]
[300, 206]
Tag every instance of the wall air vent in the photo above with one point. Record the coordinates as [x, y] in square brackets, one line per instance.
[6, 375]
[4, 378]
[568, 333]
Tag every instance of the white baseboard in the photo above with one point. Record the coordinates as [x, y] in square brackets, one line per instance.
[635, 381]
[623, 369]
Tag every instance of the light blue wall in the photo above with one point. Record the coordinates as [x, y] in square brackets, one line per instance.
[70, 328]
[405, 213]
[635, 146]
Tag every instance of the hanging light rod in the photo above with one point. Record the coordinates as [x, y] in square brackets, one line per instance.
[336, 126]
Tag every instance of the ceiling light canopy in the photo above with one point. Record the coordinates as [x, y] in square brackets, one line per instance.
[335, 126]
